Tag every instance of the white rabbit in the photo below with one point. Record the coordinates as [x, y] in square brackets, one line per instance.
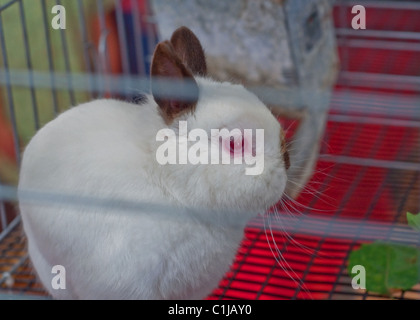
[106, 149]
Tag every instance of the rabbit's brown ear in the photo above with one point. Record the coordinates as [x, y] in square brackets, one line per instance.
[173, 86]
[189, 50]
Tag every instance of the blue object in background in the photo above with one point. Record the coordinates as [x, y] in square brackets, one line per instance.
[147, 47]
[139, 50]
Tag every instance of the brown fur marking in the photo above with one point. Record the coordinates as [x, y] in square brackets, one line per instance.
[167, 64]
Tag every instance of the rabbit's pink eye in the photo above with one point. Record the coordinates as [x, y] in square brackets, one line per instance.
[236, 145]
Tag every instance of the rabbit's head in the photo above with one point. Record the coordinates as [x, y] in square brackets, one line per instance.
[222, 147]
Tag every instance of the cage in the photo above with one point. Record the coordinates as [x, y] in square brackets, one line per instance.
[366, 175]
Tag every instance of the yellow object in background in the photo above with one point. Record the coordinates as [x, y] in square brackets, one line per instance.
[29, 17]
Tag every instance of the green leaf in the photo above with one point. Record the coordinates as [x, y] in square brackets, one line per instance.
[387, 266]
[413, 220]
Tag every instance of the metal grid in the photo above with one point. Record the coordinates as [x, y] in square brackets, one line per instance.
[45, 73]
[369, 167]
[18, 277]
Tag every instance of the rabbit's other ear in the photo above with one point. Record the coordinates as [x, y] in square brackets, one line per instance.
[189, 50]
[173, 86]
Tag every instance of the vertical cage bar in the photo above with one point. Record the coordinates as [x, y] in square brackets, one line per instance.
[103, 36]
[103, 64]
[123, 42]
[67, 66]
[49, 57]
[419, 202]
[138, 42]
[9, 92]
[122, 37]
[86, 46]
[3, 218]
[151, 34]
[29, 65]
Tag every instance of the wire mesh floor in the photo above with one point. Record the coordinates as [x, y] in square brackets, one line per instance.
[18, 277]
[368, 170]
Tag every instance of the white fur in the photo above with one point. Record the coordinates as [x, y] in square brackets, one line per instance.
[106, 149]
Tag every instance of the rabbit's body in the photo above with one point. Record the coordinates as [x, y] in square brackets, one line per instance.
[106, 149]
[128, 254]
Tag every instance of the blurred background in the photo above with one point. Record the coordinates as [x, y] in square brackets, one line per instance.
[349, 99]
